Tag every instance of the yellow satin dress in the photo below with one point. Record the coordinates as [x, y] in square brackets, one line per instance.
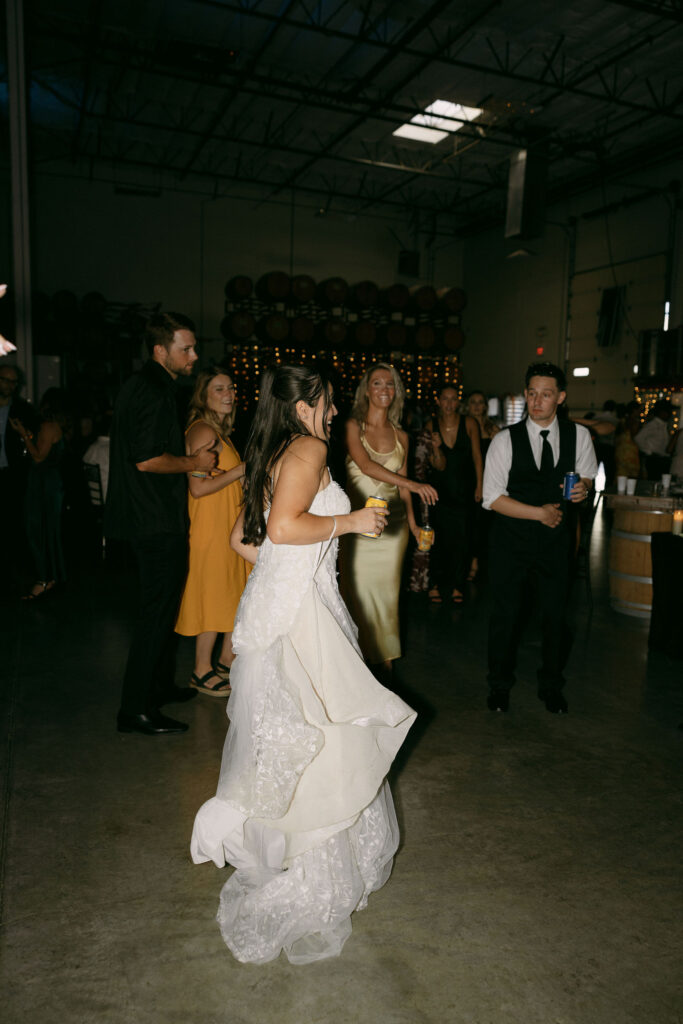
[371, 566]
[217, 574]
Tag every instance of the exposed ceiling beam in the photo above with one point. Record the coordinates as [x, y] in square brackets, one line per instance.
[660, 8]
[140, 58]
[432, 12]
[93, 30]
[417, 202]
[177, 127]
[242, 78]
[570, 85]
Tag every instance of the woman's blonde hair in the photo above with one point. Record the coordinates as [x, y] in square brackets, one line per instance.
[198, 409]
[359, 412]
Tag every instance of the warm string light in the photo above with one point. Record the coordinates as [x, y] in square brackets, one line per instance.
[422, 374]
[646, 397]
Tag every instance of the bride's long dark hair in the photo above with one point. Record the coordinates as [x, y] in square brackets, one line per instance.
[273, 429]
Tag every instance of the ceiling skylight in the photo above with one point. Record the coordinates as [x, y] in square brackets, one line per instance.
[440, 119]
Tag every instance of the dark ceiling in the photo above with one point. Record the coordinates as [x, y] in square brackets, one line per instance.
[264, 97]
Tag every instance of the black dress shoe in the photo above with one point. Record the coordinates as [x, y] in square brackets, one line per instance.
[554, 702]
[151, 724]
[176, 695]
[498, 700]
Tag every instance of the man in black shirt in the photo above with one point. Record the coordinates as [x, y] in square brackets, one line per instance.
[146, 505]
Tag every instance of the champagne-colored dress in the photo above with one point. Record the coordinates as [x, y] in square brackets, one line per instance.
[371, 566]
[217, 574]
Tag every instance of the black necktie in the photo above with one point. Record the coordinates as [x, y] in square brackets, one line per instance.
[547, 460]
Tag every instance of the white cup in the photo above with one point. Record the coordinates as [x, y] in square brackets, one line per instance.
[631, 485]
[666, 482]
[621, 485]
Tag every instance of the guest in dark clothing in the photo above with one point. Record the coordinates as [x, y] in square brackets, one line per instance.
[146, 505]
[532, 535]
[14, 465]
[456, 473]
[44, 498]
[477, 408]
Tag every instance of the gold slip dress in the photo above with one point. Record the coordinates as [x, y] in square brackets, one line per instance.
[371, 566]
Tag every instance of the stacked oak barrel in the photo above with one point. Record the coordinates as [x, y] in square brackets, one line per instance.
[332, 316]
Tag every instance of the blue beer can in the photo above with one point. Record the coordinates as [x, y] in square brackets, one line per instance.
[570, 481]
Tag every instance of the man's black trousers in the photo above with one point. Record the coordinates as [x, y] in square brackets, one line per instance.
[523, 569]
[162, 565]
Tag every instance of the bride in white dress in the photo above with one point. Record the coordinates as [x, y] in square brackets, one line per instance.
[302, 811]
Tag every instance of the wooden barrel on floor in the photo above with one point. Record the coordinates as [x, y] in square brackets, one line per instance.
[303, 289]
[239, 288]
[302, 330]
[453, 300]
[238, 326]
[396, 297]
[273, 287]
[630, 562]
[453, 338]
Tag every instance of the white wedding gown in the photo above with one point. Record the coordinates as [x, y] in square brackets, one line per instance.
[302, 810]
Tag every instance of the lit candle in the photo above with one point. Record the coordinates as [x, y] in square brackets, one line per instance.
[677, 526]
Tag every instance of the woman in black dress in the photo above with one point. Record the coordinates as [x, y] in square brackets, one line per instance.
[477, 408]
[456, 473]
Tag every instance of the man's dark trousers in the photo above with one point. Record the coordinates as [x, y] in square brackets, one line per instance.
[162, 565]
[513, 571]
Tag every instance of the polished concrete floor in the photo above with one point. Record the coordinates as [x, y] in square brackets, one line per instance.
[539, 879]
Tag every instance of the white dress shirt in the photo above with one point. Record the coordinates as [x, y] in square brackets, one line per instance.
[499, 457]
[653, 438]
[98, 452]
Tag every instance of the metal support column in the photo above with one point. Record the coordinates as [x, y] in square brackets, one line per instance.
[21, 239]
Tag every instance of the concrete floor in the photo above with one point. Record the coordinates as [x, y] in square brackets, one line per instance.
[539, 879]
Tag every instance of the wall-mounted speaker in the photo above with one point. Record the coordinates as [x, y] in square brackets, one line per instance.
[525, 215]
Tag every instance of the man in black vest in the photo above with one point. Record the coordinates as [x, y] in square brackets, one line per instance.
[533, 532]
[147, 506]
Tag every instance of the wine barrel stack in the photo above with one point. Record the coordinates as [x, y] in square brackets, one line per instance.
[280, 318]
[296, 313]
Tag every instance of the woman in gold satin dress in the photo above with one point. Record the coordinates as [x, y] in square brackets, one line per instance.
[216, 575]
[376, 464]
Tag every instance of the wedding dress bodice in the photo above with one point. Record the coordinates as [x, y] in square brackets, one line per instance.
[282, 576]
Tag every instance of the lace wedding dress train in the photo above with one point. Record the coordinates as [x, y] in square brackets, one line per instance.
[302, 810]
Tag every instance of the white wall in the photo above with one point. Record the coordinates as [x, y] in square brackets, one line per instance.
[180, 249]
[516, 305]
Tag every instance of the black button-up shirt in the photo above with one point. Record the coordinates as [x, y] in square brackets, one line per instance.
[145, 425]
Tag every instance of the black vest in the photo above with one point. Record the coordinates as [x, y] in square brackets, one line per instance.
[526, 483]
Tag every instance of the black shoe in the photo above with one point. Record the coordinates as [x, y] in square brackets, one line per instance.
[554, 702]
[152, 724]
[176, 695]
[498, 700]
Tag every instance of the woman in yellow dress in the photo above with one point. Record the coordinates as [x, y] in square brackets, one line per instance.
[216, 575]
[377, 465]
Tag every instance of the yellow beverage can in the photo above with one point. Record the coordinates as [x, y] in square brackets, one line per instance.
[374, 502]
[426, 538]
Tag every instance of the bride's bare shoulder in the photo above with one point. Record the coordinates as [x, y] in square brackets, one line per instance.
[309, 449]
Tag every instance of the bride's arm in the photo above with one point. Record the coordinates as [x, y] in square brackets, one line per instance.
[300, 475]
[248, 552]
